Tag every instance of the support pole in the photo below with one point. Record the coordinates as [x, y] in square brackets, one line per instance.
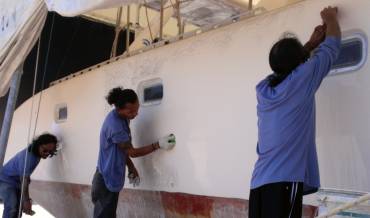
[250, 5]
[161, 21]
[117, 31]
[8, 116]
[128, 31]
[138, 15]
[183, 25]
[178, 15]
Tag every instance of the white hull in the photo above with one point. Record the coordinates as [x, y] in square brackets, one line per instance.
[209, 103]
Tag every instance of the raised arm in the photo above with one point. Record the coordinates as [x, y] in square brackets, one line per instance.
[324, 56]
[330, 18]
[317, 37]
[330, 27]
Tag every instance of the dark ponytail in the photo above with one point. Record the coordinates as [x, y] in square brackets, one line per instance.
[286, 55]
[119, 97]
[276, 79]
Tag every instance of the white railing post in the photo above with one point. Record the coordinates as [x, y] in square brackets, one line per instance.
[346, 206]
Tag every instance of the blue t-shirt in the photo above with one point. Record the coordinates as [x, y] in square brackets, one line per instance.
[112, 160]
[13, 169]
[286, 123]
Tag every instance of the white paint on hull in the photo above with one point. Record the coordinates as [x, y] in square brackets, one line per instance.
[209, 103]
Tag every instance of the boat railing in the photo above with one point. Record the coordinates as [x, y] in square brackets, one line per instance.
[343, 204]
[186, 35]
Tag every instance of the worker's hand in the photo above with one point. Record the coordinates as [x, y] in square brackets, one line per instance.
[27, 207]
[329, 14]
[134, 178]
[133, 171]
[167, 142]
[317, 37]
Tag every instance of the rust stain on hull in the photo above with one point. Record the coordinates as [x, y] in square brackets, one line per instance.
[183, 205]
[66, 200]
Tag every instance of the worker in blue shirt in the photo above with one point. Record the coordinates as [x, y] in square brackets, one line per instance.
[116, 150]
[287, 165]
[15, 173]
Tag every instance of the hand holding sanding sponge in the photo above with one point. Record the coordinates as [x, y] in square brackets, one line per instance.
[167, 142]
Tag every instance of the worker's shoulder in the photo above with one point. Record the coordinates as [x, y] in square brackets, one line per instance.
[263, 84]
[113, 120]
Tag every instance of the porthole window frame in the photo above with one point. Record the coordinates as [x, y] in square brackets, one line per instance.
[147, 84]
[358, 36]
[58, 107]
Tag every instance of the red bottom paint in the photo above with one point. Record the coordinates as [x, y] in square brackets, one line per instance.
[65, 200]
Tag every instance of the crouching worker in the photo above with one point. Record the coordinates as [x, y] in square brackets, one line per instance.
[287, 165]
[116, 150]
[15, 173]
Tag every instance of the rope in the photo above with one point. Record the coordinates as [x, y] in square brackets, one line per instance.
[38, 109]
[30, 122]
[349, 205]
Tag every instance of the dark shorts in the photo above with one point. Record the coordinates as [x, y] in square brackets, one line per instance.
[105, 201]
[276, 200]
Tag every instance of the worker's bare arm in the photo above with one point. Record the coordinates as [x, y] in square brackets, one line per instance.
[330, 18]
[26, 200]
[166, 142]
[330, 27]
[316, 38]
[138, 152]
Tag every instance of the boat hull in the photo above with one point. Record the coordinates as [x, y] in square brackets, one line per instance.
[209, 103]
[67, 200]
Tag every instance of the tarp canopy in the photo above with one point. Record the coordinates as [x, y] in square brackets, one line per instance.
[71, 8]
[21, 27]
[22, 23]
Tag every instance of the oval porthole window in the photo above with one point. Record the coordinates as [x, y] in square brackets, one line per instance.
[352, 56]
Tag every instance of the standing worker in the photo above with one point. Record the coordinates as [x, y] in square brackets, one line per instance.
[116, 150]
[287, 166]
[15, 172]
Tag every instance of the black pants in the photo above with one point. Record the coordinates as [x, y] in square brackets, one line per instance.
[105, 201]
[276, 200]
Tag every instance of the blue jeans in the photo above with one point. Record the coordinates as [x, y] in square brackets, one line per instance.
[11, 198]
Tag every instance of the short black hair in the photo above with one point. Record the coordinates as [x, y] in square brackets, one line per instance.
[286, 55]
[119, 97]
[43, 139]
